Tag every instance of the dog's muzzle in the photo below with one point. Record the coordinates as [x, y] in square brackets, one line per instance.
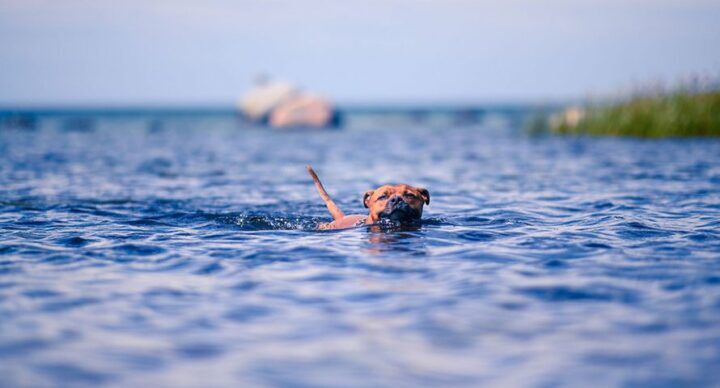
[399, 211]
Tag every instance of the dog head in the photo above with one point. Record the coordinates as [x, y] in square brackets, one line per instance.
[401, 203]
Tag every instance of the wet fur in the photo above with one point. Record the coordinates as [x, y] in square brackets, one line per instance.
[401, 204]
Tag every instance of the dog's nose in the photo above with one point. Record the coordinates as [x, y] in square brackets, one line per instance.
[395, 199]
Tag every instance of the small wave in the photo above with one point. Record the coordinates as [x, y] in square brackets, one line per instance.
[258, 222]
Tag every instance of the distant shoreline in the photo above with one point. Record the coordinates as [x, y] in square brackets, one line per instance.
[59, 110]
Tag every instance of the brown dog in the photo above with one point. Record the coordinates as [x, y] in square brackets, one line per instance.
[401, 204]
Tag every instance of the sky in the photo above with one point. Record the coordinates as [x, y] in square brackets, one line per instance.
[182, 52]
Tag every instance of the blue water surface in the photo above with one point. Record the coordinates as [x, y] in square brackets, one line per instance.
[182, 251]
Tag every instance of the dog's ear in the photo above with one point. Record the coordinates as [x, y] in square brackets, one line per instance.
[425, 194]
[366, 196]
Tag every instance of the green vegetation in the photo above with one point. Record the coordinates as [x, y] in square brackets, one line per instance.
[674, 114]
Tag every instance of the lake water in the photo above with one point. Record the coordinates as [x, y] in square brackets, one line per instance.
[182, 251]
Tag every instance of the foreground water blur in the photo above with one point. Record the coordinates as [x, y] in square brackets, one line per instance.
[182, 252]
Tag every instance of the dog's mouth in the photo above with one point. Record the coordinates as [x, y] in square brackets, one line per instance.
[400, 212]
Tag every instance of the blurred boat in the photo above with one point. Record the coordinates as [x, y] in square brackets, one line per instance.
[280, 104]
[304, 111]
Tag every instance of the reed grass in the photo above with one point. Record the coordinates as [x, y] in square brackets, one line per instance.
[678, 114]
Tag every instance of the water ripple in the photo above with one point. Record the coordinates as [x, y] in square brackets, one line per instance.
[131, 256]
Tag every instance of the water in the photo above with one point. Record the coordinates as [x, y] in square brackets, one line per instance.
[182, 251]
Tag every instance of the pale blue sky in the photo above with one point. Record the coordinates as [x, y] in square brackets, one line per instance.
[207, 52]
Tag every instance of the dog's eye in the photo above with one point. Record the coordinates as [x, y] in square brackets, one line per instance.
[410, 195]
[382, 197]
